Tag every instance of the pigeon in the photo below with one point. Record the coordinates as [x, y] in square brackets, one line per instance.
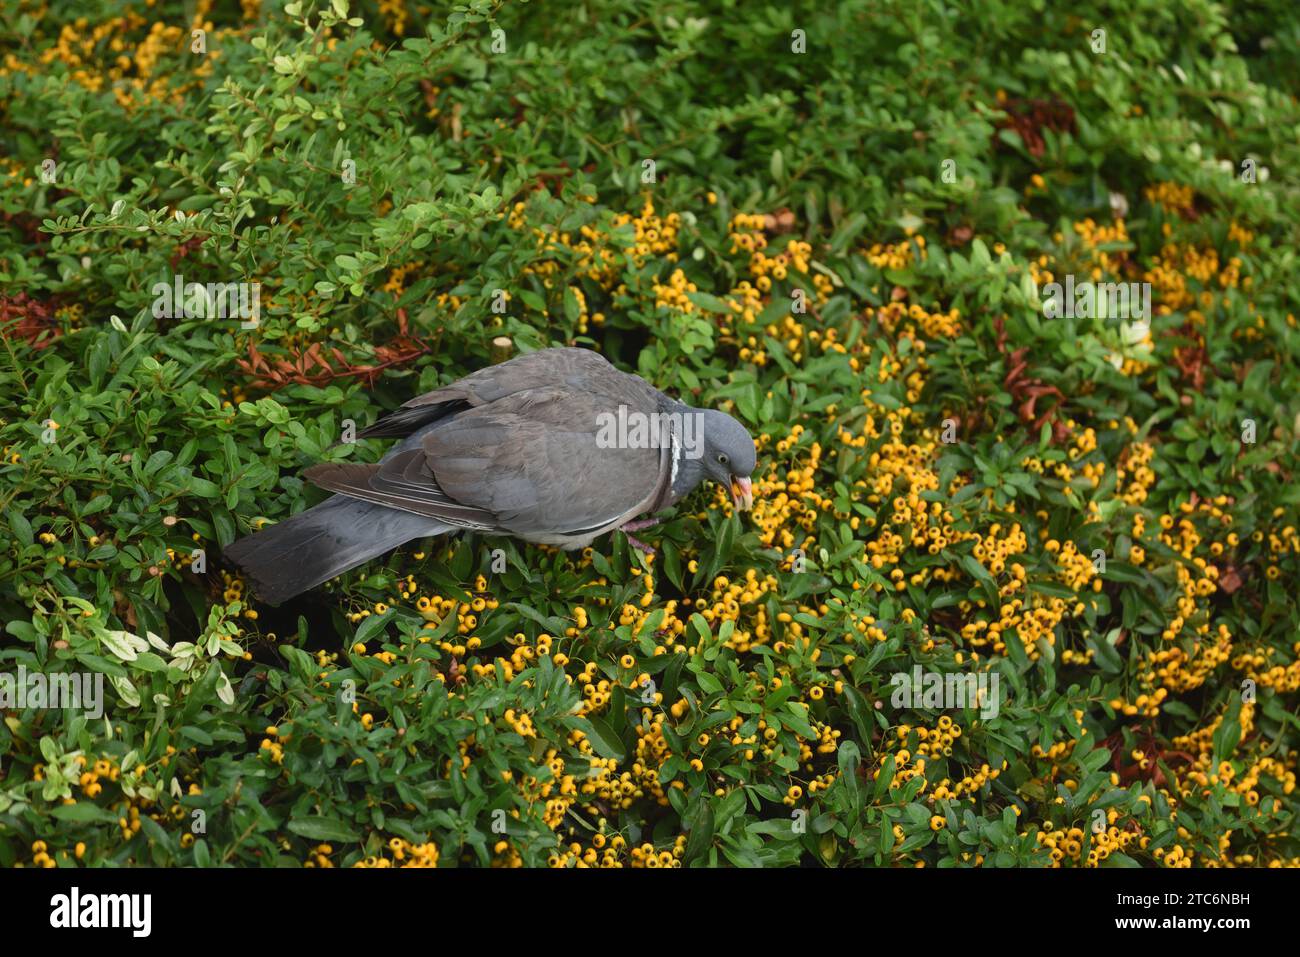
[556, 447]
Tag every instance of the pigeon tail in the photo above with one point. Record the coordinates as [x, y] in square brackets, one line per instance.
[314, 546]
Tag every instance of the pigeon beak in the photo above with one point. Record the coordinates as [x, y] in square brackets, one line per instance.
[742, 494]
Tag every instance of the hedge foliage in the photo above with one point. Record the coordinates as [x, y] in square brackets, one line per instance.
[836, 221]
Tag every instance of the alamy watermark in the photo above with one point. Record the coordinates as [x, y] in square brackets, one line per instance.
[74, 910]
[81, 690]
[213, 300]
[939, 691]
[651, 430]
[1096, 300]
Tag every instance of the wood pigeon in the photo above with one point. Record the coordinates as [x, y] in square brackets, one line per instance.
[556, 447]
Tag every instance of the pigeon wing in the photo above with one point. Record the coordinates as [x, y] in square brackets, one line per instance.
[580, 370]
[404, 482]
[534, 460]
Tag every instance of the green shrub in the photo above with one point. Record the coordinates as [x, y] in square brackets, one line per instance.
[948, 480]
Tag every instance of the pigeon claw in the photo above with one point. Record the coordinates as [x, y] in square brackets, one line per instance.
[742, 493]
[627, 528]
[639, 545]
[639, 524]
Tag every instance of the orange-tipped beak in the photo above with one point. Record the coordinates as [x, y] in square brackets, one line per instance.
[742, 494]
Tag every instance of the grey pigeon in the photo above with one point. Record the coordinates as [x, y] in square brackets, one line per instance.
[556, 447]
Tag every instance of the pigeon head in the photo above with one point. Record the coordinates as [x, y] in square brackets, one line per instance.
[726, 456]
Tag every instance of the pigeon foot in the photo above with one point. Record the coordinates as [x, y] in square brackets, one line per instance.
[639, 545]
[627, 528]
[639, 524]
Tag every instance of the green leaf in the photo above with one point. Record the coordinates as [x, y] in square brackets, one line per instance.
[83, 812]
[21, 528]
[373, 625]
[320, 828]
[701, 835]
[603, 739]
[709, 303]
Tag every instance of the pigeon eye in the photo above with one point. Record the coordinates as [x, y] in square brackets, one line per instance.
[722, 459]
